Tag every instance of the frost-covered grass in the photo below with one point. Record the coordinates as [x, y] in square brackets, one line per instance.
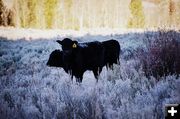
[30, 89]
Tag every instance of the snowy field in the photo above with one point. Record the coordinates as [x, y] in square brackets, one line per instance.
[31, 90]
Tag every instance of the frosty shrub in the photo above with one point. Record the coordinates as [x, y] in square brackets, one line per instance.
[162, 54]
[31, 90]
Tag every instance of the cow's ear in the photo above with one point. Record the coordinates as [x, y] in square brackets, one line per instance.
[75, 42]
[60, 42]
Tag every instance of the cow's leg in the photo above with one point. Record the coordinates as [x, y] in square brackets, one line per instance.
[96, 74]
[118, 61]
[72, 78]
[71, 74]
[79, 78]
[107, 67]
[111, 66]
[99, 70]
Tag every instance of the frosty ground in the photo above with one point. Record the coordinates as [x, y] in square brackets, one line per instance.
[29, 89]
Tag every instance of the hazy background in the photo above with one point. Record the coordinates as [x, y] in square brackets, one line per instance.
[85, 14]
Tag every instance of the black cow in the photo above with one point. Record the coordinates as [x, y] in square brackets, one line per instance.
[56, 60]
[112, 52]
[79, 57]
[76, 57]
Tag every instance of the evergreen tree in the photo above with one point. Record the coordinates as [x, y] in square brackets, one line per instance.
[49, 10]
[31, 16]
[137, 19]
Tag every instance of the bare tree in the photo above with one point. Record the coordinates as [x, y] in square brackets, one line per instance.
[6, 15]
[172, 11]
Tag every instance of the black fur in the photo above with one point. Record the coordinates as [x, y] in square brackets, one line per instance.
[112, 52]
[76, 57]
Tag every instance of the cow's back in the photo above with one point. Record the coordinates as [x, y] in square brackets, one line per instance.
[91, 55]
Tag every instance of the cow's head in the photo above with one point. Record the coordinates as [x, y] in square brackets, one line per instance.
[69, 47]
[55, 59]
[67, 44]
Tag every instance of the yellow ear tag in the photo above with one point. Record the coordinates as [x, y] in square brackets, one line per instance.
[74, 45]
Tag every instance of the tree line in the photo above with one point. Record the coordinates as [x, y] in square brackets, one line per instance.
[78, 14]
